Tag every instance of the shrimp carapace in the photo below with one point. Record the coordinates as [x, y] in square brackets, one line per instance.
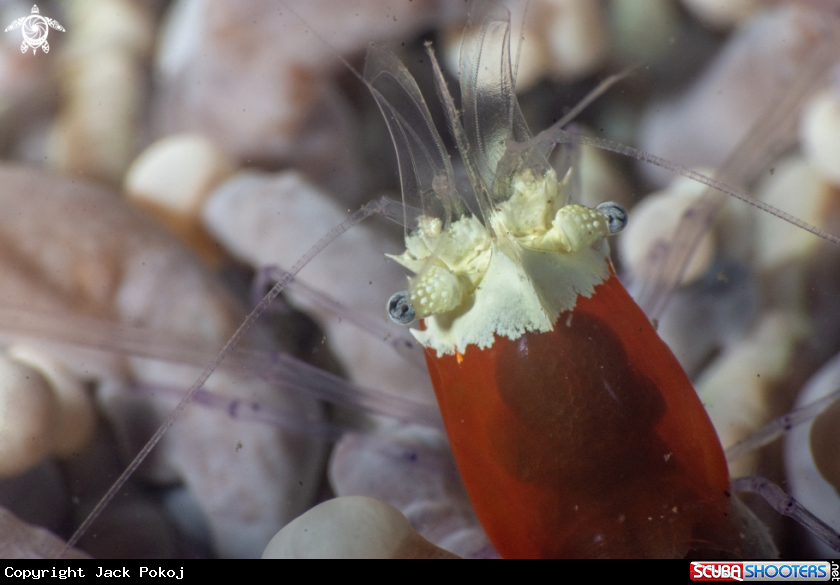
[587, 440]
[575, 429]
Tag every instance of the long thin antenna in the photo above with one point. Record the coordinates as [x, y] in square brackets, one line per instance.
[781, 425]
[593, 95]
[324, 41]
[562, 136]
[749, 157]
[250, 320]
[405, 345]
[518, 55]
[787, 506]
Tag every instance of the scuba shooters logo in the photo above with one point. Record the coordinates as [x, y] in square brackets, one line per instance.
[764, 571]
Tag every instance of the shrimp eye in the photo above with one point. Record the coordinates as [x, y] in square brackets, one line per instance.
[616, 215]
[400, 308]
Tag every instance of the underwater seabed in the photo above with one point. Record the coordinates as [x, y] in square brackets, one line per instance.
[235, 129]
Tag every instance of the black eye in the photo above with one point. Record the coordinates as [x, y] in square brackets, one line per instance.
[616, 215]
[400, 309]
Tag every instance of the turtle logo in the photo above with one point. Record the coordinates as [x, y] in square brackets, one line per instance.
[35, 29]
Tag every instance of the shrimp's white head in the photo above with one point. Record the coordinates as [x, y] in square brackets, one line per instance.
[474, 283]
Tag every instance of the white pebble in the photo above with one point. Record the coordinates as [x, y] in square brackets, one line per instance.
[353, 527]
[172, 178]
[778, 242]
[723, 14]
[178, 173]
[104, 84]
[576, 34]
[808, 480]
[753, 71]
[736, 388]
[410, 467]
[655, 219]
[819, 133]
[28, 417]
[534, 58]
[76, 415]
[564, 39]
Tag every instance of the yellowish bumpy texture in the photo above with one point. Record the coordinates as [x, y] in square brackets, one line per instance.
[449, 264]
[436, 291]
[471, 286]
[536, 218]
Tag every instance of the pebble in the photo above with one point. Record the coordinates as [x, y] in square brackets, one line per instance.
[736, 388]
[76, 416]
[564, 40]
[810, 454]
[88, 253]
[756, 67]
[172, 178]
[811, 203]
[104, 81]
[412, 469]
[352, 528]
[724, 14]
[575, 32]
[272, 101]
[655, 219]
[28, 416]
[274, 219]
[19, 540]
[819, 130]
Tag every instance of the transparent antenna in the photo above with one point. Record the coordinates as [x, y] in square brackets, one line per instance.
[379, 206]
[500, 143]
[780, 426]
[405, 345]
[491, 113]
[279, 369]
[787, 506]
[560, 136]
[453, 119]
[425, 168]
[749, 158]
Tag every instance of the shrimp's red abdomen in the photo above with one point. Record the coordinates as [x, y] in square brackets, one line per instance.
[585, 441]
